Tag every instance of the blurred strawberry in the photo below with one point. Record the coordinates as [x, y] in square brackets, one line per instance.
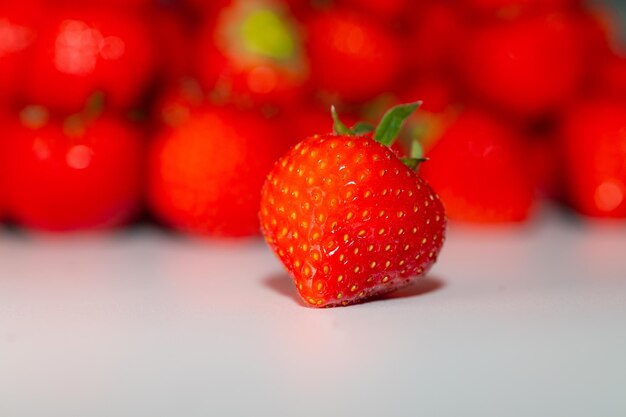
[84, 50]
[509, 9]
[435, 31]
[478, 168]
[74, 176]
[205, 175]
[177, 101]
[206, 7]
[612, 76]
[174, 38]
[544, 164]
[527, 66]
[252, 53]
[139, 5]
[352, 56]
[436, 92]
[19, 23]
[389, 10]
[593, 144]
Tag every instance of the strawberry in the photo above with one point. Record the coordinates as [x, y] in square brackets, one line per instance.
[352, 56]
[380, 9]
[477, 167]
[434, 33]
[83, 50]
[529, 66]
[347, 218]
[507, 9]
[72, 176]
[593, 145]
[252, 54]
[206, 171]
[18, 31]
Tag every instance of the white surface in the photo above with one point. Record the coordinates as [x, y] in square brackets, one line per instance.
[525, 322]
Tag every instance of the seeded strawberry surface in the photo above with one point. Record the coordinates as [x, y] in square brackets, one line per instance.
[349, 220]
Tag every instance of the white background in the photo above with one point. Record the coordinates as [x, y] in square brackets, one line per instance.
[511, 322]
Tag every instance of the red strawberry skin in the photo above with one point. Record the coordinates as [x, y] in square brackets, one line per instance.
[206, 173]
[593, 146]
[89, 180]
[352, 56]
[349, 220]
[476, 164]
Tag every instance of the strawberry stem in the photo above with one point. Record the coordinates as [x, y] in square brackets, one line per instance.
[362, 128]
[417, 151]
[392, 122]
[339, 127]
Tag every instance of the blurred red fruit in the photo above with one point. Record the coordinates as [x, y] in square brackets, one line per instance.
[352, 56]
[205, 175]
[437, 93]
[177, 101]
[19, 23]
[206, 7]
[306, 120]
[81, 51]
[434, 36]
[593, 145]
[74, 176]
[478, 169]
[613, 76]
[139, 5]
[508, 9]
[527, 66]
[252, 53]
[380, 9]
[544, 164]
[174, 39]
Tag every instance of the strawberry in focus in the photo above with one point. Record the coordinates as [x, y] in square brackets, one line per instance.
[206, 172]
[348, 219]
[77, 175]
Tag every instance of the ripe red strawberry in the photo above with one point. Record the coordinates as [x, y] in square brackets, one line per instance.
[514, 8]
[80, 175]
[348, 219]
[205, 174]
[593, 145]
[253, 53]
[380, 9]
[477, 167]
[612, 76]
[19, 21]
[527, 66]
[434, 34]
[83, 50]
[352, 56]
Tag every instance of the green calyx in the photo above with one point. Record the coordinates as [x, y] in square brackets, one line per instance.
[265, 33]
[387, 130]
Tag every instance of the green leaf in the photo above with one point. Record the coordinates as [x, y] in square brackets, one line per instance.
[391, 123]
[417, 152]
[339, 127]
[413, 163]
[362, 128]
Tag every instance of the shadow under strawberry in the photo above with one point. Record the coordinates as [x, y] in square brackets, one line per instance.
[283, 285]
